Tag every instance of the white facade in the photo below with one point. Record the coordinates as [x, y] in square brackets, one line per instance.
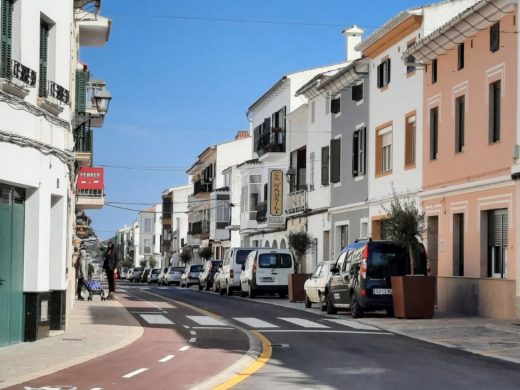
[180, 216]
[150, 228]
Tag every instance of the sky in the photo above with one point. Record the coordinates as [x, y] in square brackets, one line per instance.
[182, 74]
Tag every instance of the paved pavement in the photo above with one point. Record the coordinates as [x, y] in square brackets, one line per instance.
[96, 328]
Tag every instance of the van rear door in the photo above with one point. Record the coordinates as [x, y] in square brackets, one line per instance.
[240, 258]
[273, 268]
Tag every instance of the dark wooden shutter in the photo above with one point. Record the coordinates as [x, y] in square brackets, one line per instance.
[335, 105]
[434, 71]
[494, 37]
[433, 133]
[357, 92]
[81, 90]
[335, 160]
[363, 168]
[379, 75]
[325, 166]
[355, 153]
[498, 228]
[388, 71]
[459, 124]
[44, 43]
[460, 56]
[6, 35]
[494, 111]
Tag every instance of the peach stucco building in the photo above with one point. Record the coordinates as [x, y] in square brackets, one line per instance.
[469, 136]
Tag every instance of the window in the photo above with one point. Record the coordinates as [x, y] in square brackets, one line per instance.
[384, 150]
[44, 47]
[494, 111]
[313, 112]
[223, 214]
[410, 59]
[335, 160]
[335, 105]
[253, 195]
[147, 225]
[498, 227]
[434, 133]
[6, 35]
[458, 244]
[357, 92]
[325, 166]
[358, 152]
[459, 124]
[409, 153]
[383, 73]
[343, 236]
[494, 37]
[460, 57]
[434, 71]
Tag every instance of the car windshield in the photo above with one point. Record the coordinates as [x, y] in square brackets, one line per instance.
[242, 255]
[156, 271]
[196, 268]
[275, 260]
[177, 269]
[138, 269]
[216, 264]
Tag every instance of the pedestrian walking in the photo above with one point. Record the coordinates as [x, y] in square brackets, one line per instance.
[81, 272]
[109, 265]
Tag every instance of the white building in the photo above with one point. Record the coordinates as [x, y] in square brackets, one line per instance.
[150, 228]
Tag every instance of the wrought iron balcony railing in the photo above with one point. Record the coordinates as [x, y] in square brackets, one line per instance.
[57, 92]
[83, 139]
[198, 187]
[271, 140]
[20, 72]
[296, 201]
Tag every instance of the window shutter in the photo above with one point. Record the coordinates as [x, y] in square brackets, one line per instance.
[433, 133]
[363, 161]
[6, 38]
[379, 75]
[282, 118]
[335, 105]
[357, 92]
[81, 90]
[44, 41]
[388, 71]
[355, 153]
[325, 166]
[434, 71]
[459, 124]
[494, 111]
[494, 37]
[335, 160]
[498, 228]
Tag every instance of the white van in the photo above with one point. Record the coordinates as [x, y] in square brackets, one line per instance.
[266, 271]
[229, 278]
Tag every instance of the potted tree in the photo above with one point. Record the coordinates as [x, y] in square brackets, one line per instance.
[300, 242]
[413, 294]
[205, 253]
[185, 256]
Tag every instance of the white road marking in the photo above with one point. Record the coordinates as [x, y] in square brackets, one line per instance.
[134, 373]
[213, 327]
[303, 323]
[192, 340]
[186, 326]
[97, 388]
[206, 320]
[255, 322]
[143, 312]
[322, 331]
[156, 319]
[352, 324]
[192, 332]
[166, 358]
[185, 348]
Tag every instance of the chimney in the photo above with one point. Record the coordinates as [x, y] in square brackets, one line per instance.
[352, 38]
[241, 134]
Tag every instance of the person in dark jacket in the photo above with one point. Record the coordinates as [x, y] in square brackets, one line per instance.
[109, 265]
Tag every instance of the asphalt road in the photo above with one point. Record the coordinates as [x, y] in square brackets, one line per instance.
[183, 346]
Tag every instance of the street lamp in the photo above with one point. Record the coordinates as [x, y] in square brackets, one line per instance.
[290, 174]
[102, 99]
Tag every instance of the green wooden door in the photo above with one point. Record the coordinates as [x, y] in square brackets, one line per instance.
[11, 265]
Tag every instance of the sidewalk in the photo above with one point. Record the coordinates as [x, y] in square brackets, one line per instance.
[95, 328]
[484, 336]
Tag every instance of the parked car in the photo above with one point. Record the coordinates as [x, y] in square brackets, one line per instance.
[266, 271]
[234, 258]
[162, 277]
[144, 275]
[153, 275]
[173, 276]
[191, 275]
[315, 286]
[206, 277]
[136, 274]
[123, 272]
[216, 280]
[361, 276]
[129, 274]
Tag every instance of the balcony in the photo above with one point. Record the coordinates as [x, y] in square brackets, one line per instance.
[52, 96]
[16, 78]
[296, 202]
[200, 228]
[83, 145]
[90, 199]
[261, 212]
[270, 140]
[94, 30]
[199, 187]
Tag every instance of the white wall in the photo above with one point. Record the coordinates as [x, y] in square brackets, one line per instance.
[229, 154]
[180, 208]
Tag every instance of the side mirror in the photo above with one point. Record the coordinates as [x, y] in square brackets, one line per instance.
[334, 269]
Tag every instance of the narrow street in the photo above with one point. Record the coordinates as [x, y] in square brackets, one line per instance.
[191, 336]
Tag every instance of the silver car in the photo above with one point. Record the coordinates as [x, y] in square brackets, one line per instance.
[191, 275]
[173, 275]
[153, 276]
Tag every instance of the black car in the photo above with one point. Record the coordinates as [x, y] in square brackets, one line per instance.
[361, 277]
[207, 277]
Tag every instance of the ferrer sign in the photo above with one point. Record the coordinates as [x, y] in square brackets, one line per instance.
[275, 210]
[91, 179]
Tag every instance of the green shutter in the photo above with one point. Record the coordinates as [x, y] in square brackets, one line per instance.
[6, 38]
[44, 45]
[81, 90]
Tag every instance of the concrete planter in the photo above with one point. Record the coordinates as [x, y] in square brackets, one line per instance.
[295, 286]
[413, 296]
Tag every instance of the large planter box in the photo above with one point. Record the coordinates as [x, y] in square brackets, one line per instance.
[296, 291]
[413, 296]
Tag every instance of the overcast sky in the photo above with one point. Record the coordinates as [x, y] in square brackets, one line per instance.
[182, 74]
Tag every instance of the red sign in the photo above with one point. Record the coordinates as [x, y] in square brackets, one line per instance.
[91, 179]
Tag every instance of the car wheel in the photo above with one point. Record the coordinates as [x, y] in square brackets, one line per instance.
[207, 286]
[330, 305]
[282, 295]
[322, 302]
[243, 294]
[200, 287]
[221, 291]
[390, 312]
[308, 302]
[229, 291]
[355, 309]
[251, 293]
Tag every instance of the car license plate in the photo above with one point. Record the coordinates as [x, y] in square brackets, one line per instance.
[267, 279]
[382, 291]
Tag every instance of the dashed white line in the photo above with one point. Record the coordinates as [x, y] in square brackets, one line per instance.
[157, 319]
[185, 348]
[166, 358]
[303, 323]
[97, 388]
[352, 324]
[186, 326]
[255, 322]
[134, 373]
[206, 320]
[213, 327]
[192, 332]
[192, 340]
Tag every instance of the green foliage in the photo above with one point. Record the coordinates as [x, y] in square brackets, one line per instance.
[152, 262]
[205, 253]
[185, 256]
[142, 263]
[405, 224]
[300, 242]
[126, 263]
